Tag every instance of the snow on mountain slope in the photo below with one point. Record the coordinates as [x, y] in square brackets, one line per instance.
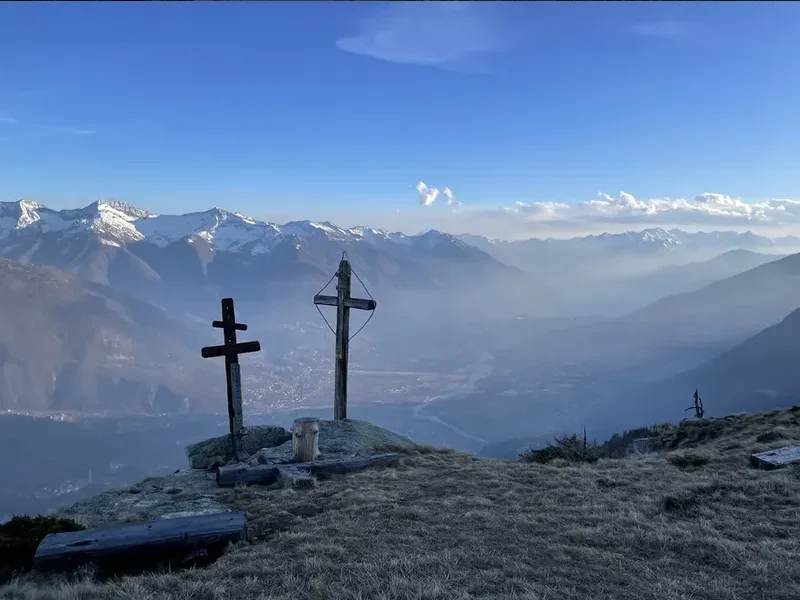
[118, 224]
[649, 237]
[223, 230]
[112, 222]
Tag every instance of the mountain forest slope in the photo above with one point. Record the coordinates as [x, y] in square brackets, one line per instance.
[70, 345]
[693, 520]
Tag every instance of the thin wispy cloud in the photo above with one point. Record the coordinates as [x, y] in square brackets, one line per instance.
[27, 130]
[451, 198]
[435, 34]
[75, 131]
[664, 29]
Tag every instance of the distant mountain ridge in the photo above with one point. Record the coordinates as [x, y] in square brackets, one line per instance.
[593, 271]
[117, 223]
[656, 237]
[187, 262]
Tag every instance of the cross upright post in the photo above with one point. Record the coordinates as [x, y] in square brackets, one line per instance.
[343, 303]
[231, 349]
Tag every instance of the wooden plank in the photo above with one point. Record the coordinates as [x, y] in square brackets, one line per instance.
[325, 300]
[243, 474]
[361, 304]
[775, 459]
[166, 539]
[230, 349]
[222, 324]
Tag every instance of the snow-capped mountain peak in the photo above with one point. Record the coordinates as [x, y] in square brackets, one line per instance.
[117, 223]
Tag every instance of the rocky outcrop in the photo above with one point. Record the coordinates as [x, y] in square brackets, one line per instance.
[337, 439]
[218, 451]
[194, 491]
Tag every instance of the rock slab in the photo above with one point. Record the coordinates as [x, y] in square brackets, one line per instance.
[218, 451]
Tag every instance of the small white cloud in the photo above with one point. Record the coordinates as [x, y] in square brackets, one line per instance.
[427, 196]
[451, 198]
[438, 34]
[6, 120]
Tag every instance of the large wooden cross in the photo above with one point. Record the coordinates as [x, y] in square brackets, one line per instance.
[343, 303]
[231, 349]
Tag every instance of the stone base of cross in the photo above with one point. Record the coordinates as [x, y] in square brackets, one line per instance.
[343, 303]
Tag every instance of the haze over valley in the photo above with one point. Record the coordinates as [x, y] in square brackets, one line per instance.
[480, 345]
[570, 215]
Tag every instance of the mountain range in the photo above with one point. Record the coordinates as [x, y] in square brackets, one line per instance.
[129, 275]
[186, 262]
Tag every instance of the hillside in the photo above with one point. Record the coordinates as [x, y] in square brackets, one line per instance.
[740, 305]
[626, 294]
[681, 331]
[758, 373]
[68, 345]
[693, 521]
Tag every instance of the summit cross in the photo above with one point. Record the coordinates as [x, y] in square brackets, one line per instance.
[343, 303]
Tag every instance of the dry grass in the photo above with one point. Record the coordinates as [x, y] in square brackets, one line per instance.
[447, 526]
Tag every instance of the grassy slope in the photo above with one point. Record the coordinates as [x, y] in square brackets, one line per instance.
[444, 526]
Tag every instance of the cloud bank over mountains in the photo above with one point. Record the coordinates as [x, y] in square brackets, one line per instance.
[705, 209]
[606, 213]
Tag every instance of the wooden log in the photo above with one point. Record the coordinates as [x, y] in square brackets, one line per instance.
[305, 440]
[243, 474]
[292, 477]
[144, 543]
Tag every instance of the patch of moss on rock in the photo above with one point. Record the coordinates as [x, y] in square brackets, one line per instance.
[20, 537]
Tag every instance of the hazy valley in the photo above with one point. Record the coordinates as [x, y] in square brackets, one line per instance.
[480, 345]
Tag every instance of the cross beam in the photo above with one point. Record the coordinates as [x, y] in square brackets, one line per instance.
[358, 303]
[343, 303]
[231, 349]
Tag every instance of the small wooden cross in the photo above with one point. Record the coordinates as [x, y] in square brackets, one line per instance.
[231, 350]
[699, 411]
[343, 303]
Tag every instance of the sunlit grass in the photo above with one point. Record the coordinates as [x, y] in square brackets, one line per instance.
[693, 522]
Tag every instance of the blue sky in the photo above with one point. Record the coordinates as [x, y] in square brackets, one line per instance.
[526, 111]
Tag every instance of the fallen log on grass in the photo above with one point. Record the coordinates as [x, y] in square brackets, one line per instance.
[125, 547]
[266, 474]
